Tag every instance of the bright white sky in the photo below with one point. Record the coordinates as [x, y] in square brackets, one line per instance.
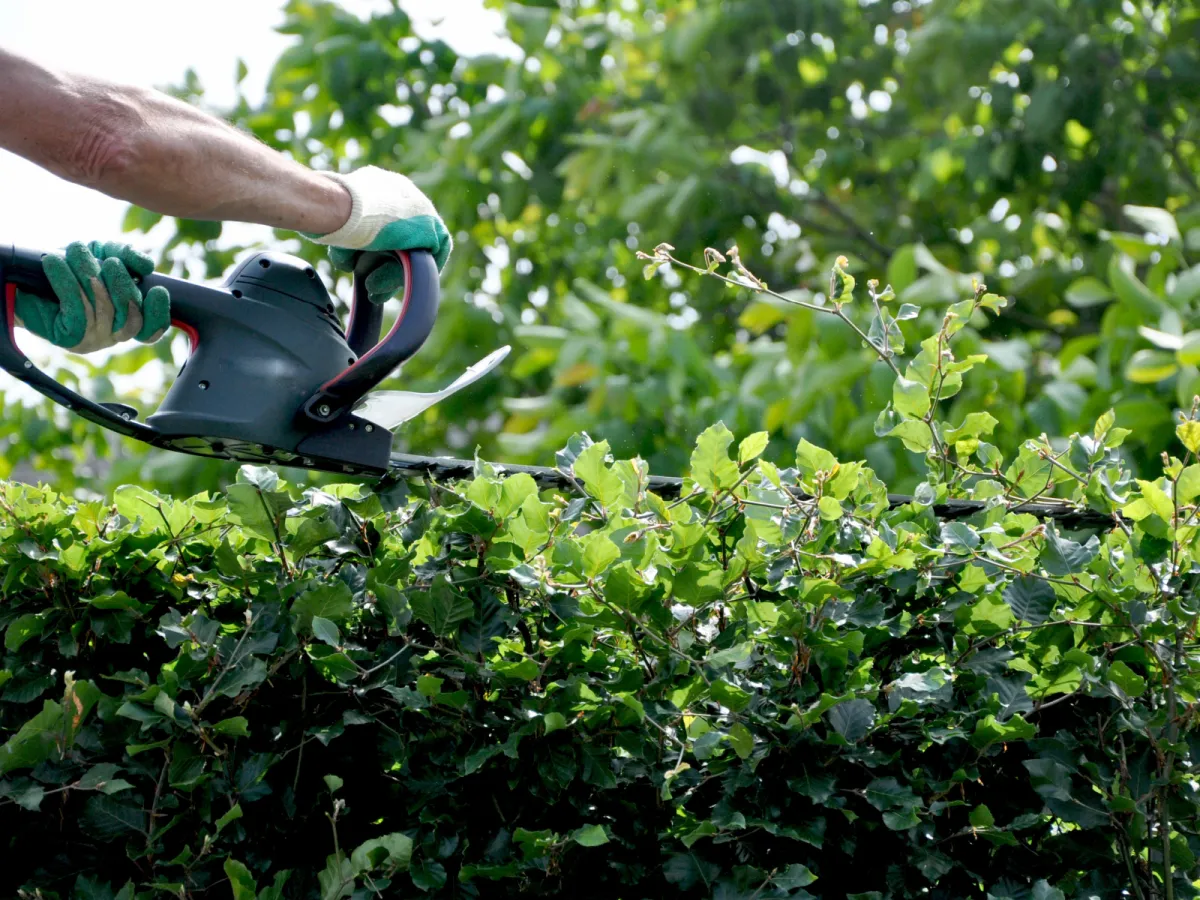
[151, 43]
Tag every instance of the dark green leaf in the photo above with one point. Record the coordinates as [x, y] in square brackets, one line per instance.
[1031, 599]
[852, 719]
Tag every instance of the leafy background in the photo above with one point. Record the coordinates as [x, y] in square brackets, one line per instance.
[1045, 147]
[772, 686]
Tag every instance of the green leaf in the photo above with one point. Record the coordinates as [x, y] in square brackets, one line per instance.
[974, 425]
[981, 817]
[1043, 891]
[334, 783]
[1126, 679]
[328, 601]
[901, 819]
[811, 459]
[234, 813]
[1154, 221]
[901, 272]
[1151, 366]
[554, 721]
[1188, 433]
[794, 877]
[392, 851]
[135, 503]
[105, 819]
[1066, 557]
[326, 631]
[241, 882]
[752, 447]
[1132, 292]
[635, 704]
[443, 607]
[522, 670]
[429, 685]
[1188, 353]
[915, 435]
[1187, 486]
[312, 533]
[1158, 501]
[514, 491]
[1088, 291]
[1031, 599]
[21, 630]
[711, 466]
[830, 509]
[28, 795]
[237, 726]
[336, 880]
[730, 695]
[590, 836]
[102, 777]
[35, 741]
[959, 535]
[741, 740]
[910, 398]
[852, 719]
[989, 730]
[599, 552]
[259, 511]
[598, 478]
[888, 793]
[428, 875]
[736, 655]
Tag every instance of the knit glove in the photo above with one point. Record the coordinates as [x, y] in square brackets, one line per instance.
[388, 212]
[96, 303]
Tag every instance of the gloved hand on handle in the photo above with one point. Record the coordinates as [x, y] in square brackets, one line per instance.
[388, 212]
[97, 304]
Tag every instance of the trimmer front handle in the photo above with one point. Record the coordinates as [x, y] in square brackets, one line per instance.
[379, 358]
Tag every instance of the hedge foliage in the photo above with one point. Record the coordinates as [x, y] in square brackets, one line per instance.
[775, 686]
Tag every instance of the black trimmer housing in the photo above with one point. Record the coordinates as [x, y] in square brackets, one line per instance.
[271, 378]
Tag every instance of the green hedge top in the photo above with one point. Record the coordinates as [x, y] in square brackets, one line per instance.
[483, 689]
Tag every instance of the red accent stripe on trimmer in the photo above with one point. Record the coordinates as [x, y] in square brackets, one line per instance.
[190, 331]
[408, 288]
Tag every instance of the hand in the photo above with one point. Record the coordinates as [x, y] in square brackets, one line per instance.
[97, 304]
[388, 212]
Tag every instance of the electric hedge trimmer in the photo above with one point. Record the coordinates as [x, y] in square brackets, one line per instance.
[274, 379]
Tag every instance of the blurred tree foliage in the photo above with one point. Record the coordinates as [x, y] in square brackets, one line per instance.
[1044, 147]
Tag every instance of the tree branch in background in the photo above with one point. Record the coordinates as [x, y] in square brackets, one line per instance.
[859, 232]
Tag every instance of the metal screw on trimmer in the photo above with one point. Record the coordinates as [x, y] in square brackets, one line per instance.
[370, 429]
[323, 409]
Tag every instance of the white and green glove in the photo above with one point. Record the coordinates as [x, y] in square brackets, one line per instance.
[97, 304]
[388, 212]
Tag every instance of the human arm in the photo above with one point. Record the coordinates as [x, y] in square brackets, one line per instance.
[149, 149]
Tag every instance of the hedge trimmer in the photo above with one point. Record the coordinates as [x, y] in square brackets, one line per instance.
[273, 379]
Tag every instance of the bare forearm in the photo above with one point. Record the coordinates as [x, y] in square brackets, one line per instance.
[150, 149]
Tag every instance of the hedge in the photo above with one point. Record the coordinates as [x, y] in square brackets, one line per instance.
[775, 686]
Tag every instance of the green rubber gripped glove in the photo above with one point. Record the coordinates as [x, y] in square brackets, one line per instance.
[388, 212]
[97, 304]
